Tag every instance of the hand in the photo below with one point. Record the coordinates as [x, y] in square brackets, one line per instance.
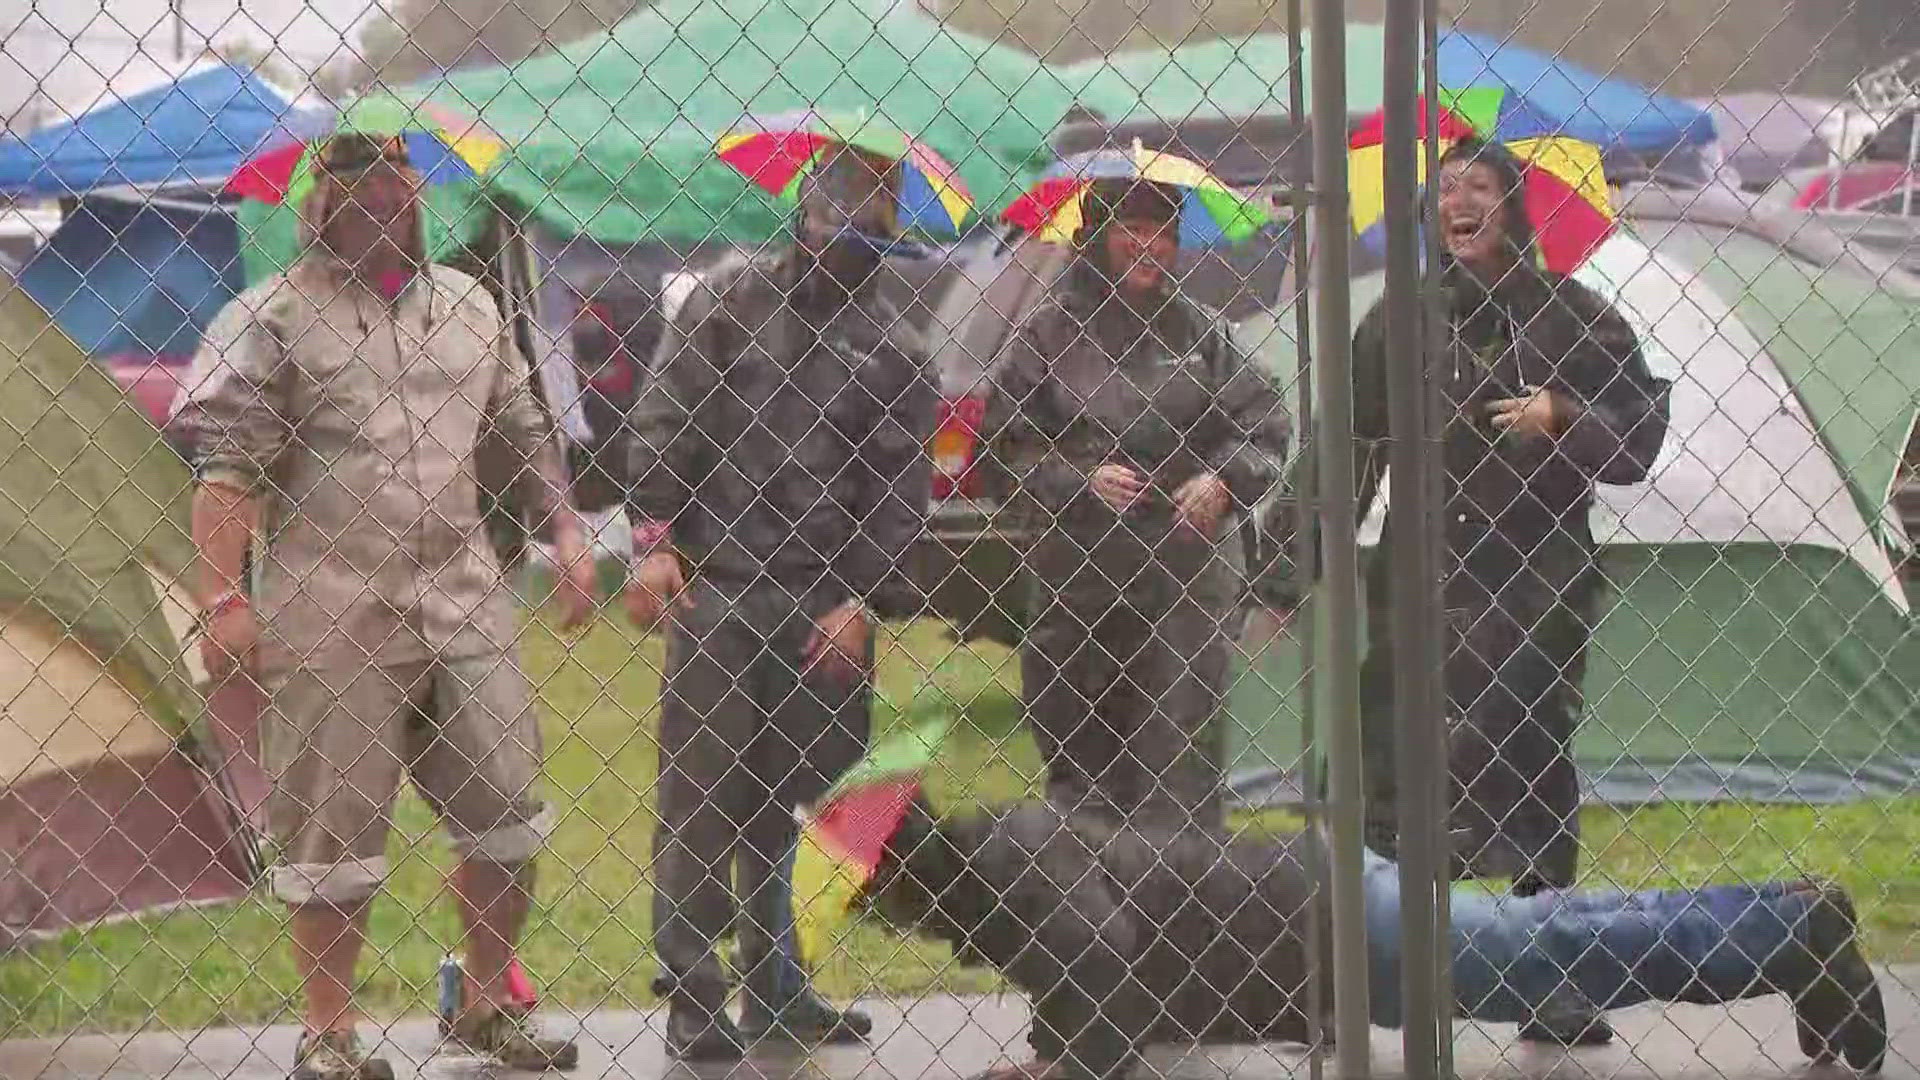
[839, 640]
[657, 582]
[1118, 486]
[1201, 502]
[576, 590]
[228, 640]
[1538, 413]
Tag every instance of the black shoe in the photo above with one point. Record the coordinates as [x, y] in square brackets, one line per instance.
[1837, 1008]
[698, 1027]
[805, 1018]
[1567, 1018]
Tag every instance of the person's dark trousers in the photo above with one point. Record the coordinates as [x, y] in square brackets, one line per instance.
[1519, 613]
[1122, 689]
[746, 736]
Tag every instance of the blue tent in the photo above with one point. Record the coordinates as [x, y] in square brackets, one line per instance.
[193, 131]
[1549, 94]
[140, 277]
[1248, 76]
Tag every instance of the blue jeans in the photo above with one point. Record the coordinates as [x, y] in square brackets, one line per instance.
[1509, 954]
[771, 907]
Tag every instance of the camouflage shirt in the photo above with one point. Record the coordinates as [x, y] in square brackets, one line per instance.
[358, 421]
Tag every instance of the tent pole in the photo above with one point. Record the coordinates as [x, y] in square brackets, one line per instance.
[1340, 584]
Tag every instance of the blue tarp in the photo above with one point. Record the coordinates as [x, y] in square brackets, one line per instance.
[1246, 76]
[196, 130]
[128, 277]
[1546, 93]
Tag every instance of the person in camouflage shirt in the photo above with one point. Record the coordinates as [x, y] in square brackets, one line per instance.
[338, 408]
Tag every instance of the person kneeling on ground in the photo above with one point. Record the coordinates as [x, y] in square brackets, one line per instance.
[1128, 936]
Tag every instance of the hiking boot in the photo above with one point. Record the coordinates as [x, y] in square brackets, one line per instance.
[1567, 1018]
[698, 1027]
[805, 1018]
[336, 1055]
[1837, 1008]
[509, 1037]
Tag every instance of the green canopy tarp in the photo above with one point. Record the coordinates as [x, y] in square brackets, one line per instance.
[104, 809]
[1757, 642]
[613, 135]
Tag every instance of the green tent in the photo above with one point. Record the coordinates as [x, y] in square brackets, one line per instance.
[106, 806]
[613, 135]
[1758, 642]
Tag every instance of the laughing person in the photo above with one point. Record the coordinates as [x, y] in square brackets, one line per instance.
[1547, 394]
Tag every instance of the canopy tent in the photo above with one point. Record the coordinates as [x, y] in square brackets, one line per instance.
[190, 131]
[1249, 75]
[137, 276]
[105, 808]
[613, 135]
[1757, 642]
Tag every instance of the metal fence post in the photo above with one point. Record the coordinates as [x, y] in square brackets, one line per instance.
[1415, 622]
[1306, 556]
[1334, 439]
[1432, 332]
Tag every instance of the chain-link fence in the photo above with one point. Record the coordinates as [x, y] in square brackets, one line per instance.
[582, 536]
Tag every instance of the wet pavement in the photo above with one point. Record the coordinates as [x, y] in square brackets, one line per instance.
[947, 1038]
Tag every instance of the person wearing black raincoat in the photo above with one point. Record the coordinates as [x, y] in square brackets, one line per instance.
[1547, 394]
[778, 480]
[1124, 429]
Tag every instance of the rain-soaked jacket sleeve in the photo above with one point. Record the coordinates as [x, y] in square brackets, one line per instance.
[1617, 409]
[1019, 446]
[1251, 416]
[895, 490]
[235, 403]
[669, 449]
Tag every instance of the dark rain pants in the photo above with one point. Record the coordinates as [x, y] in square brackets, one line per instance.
[1519, 615]
[746, 737]
[1123, 668]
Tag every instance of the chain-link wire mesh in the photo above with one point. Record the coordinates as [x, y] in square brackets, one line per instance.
[570, 535]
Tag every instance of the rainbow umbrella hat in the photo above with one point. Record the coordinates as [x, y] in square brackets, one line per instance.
[1564, 186]
[775, 152]
[443, 146]
[844, 833]
[1211, 213]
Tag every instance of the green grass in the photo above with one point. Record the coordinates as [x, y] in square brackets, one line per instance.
[587, 945]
